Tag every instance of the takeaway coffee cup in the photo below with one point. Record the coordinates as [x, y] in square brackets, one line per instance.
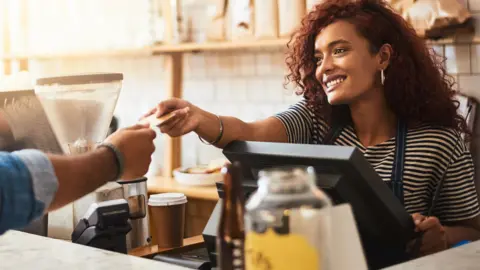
[168, 215]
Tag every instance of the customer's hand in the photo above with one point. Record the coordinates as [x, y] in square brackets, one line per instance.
[136, 145]
[434, 234]
[185, 119]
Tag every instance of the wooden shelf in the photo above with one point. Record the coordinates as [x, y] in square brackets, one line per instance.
[455, 40]
[156, 50]
[220, 46]
[77, 55]
[198, 47]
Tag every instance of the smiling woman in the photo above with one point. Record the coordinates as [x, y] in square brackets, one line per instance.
[345, 63]
[371, 39]
[368, 81]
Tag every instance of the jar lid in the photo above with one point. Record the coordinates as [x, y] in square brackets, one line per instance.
[287, 179]
[167, 199]
[81, 79]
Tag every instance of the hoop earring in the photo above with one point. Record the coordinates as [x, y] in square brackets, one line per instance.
[382, 77]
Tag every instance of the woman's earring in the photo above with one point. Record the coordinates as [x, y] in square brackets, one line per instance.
[382, 77]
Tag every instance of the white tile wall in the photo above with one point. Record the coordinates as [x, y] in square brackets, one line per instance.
[231, 89]
[458, 58]
[199, 90]
[212, 64]
[469, 85]
[273, 91]
[475, 58]
[227, 64]
[456, 81]
[256, 89]
[246, 64]
[264, 63]
[194, 64]
[439, 50]
[474, 5]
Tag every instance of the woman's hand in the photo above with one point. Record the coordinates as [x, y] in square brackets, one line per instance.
[185, 117]
[434, 234]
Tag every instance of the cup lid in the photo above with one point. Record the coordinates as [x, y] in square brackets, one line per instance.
[167, 199]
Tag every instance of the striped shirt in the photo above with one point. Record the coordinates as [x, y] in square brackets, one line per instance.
[430, 153]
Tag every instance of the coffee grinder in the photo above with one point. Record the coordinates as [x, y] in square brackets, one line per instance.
[80, 109]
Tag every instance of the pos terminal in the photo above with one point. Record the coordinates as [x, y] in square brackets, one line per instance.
[347, 177]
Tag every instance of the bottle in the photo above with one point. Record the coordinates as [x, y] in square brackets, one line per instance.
[231, 233]
[287, 210]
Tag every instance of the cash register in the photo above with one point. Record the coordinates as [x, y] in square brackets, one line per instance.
[347, 177]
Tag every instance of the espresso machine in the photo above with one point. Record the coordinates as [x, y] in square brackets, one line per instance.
[104, 226]
[117, 225]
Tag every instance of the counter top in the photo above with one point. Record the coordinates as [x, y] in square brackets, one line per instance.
[161, 184]
[464, 257]
[19, 250]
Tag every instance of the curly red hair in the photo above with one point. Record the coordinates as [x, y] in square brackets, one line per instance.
[417, 88]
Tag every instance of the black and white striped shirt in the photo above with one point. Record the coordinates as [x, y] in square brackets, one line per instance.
[430, 153]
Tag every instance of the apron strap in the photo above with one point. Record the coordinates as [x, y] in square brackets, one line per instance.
[332, 134]
[399, 161]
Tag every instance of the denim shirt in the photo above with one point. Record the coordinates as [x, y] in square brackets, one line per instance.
[27, 187]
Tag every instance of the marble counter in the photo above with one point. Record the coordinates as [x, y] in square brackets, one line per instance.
[20, 251]
[465, 257]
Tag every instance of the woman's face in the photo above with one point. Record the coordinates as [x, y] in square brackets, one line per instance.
[346, 68]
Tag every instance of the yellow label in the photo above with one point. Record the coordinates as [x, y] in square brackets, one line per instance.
[272, 251]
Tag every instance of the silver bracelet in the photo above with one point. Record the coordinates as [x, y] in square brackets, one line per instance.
[219, 137]
[119, 160]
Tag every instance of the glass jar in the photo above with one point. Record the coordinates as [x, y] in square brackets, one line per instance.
[287, 221]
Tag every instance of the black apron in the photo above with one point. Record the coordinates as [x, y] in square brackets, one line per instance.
[396, 183]
[385, 256]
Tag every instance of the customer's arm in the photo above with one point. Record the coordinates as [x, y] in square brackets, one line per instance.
[31, 181]
[81, 174]
[6, 136]
[4, 127]
[20, 202]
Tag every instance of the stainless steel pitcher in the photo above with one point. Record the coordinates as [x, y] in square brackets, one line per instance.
[135, 192]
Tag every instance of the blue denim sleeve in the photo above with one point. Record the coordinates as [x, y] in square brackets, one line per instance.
[27, 186]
